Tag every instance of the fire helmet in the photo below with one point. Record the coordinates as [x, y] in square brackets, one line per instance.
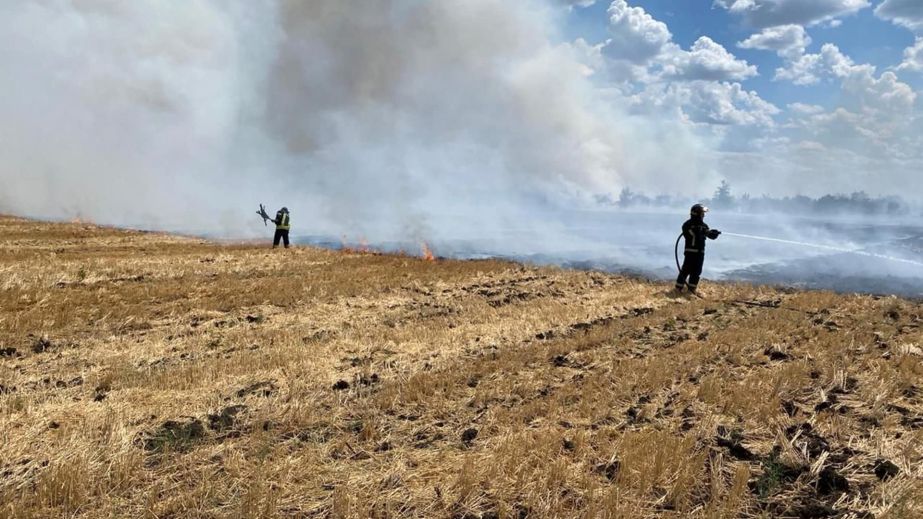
[698, 210]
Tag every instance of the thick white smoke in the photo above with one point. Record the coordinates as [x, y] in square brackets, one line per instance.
[379, 118]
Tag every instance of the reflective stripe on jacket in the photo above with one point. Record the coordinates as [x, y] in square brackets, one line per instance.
[283, 222]
[695, 231]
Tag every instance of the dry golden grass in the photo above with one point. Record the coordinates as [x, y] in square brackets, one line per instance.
[162, 376]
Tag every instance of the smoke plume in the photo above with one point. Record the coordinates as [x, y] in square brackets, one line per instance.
[388, 119]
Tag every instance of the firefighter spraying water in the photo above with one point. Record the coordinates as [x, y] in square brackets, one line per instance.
[696, 232]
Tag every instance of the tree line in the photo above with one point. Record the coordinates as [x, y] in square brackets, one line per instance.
[857, 203]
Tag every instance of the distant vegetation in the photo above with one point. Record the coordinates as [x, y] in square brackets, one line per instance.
[857, 203]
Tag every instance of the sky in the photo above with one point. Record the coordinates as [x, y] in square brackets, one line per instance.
[803, 96]
[444, 117]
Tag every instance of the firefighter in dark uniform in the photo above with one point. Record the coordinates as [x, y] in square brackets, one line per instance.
[283, 224]
[695, 231]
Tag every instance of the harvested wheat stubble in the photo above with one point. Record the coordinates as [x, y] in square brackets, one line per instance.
[152, 375]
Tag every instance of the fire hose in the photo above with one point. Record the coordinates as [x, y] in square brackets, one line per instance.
[679, 267]
[679, 238]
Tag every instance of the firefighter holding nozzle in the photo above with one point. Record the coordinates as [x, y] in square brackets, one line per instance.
[696, 232]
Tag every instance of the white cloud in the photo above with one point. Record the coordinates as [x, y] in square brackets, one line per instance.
[698, 86]
[913, 57]
[788, 41]
[867, 135]
[706, 60]
[805, 109]
[636, 36]
[640, 40]
[725, 103]
[808, 69]
[708, 102]
[770, 13]
[885, 96]
[908, 13]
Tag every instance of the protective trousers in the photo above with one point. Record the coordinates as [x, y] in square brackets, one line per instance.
[281, 234]
[692, 269]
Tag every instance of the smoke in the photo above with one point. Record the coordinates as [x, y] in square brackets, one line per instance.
[388, 119]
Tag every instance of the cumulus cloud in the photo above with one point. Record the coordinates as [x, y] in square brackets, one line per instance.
[789, 41]
[639, 39]
[870, 139]
[725, 103]
[808, 69]
[706, 60]
[908, 13]
[884, 95]
[770, 13]
[707, 103]
[913, 57]
[698, 86]
[635, 35]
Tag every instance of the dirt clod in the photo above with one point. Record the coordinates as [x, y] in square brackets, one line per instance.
[814, 510]
[885, 470]
[42, 344]
[610, 470]
[776, 354]
[225, 419]
[369, 380]
[830, 481]
[468, 436]
[731, 440]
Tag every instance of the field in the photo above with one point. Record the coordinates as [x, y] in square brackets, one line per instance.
[146, 375]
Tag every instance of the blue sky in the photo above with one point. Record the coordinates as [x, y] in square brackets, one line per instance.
[817, 95]
[863, 36]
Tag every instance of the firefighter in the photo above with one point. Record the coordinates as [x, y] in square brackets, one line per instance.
[695, 231]
[283, 224]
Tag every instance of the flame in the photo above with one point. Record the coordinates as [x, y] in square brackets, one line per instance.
[362, 248]
[427, 252]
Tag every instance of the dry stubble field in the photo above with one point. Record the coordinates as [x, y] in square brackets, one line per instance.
[145, 375]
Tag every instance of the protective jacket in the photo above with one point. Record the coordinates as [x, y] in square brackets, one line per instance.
[283, 222]
[695, 230]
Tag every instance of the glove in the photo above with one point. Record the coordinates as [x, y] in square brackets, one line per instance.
[714, 233]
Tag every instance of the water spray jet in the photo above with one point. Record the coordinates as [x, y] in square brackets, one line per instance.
[816, 246]
[805, 244]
